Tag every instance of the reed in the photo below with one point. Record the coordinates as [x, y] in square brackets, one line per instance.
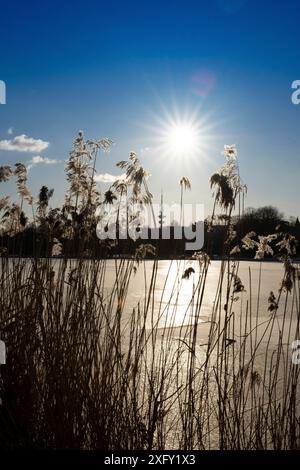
[86, 369]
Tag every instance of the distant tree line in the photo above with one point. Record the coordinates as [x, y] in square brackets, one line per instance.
[38, 240]
[70, 230]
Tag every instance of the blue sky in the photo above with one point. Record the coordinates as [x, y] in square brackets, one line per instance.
[121, 69]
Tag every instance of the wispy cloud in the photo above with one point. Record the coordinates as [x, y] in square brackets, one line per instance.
[37, 160]
[22, 143]
[10, 131]
[108, 178]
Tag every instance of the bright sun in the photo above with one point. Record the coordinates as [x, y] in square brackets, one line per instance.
[182, 139]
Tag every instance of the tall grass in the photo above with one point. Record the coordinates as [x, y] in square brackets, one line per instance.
[86, 371]
[90, 368]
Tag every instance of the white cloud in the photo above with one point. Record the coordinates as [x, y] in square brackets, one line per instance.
[22, 143]
[38, 159]
[108, 178]
[10, 130]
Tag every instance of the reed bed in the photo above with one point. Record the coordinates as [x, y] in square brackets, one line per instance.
[88, 369]
[85, 372]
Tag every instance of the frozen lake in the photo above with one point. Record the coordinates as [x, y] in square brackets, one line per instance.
[172, 304]
[172, 290]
